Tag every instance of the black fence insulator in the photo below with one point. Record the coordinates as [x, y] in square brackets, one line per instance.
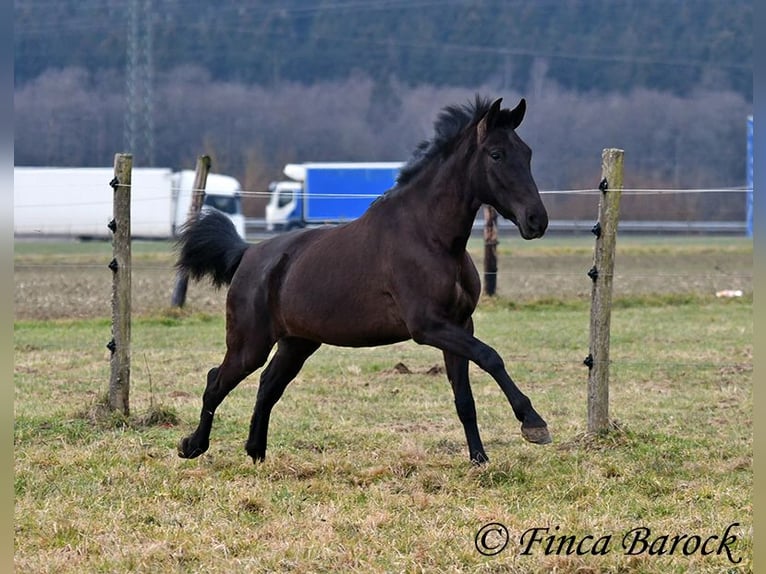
[111, 345]
[596, 230]
[588, 362]
[112, 225]
[114, 183]
[593, 273]
[604, 185]
[113, 265]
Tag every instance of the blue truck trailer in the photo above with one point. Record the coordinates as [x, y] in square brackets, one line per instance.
[326, 193]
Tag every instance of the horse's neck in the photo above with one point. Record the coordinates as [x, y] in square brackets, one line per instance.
[444, 208]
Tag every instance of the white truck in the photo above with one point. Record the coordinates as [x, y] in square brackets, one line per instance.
[78, 202]
[326, 193]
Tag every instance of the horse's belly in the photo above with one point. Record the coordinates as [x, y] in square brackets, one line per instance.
[366, 340]
[348, 333]
[344, 318]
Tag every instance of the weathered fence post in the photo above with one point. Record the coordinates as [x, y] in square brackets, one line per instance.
[119, 380]
[490, 250]
[178, 299]
[602, 274]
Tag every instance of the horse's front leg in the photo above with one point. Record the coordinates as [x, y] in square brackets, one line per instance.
[455, 340]
[457, 373]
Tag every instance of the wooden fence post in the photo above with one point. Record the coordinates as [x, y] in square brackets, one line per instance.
[119, 380]
[490, 250]
[178, 299]
[602, 274]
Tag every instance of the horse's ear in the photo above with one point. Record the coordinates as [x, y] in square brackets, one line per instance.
[517, 114]
[486, 123]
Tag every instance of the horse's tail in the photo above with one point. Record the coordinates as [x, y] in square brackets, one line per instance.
[210, 246]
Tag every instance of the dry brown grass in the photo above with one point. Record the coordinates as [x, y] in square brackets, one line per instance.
[367, 468]
[74, 282]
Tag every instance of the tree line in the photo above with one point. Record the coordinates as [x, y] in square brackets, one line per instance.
[260, 84]
[75, 117]
[673, 46]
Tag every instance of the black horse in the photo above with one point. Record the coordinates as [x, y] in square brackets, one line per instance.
[399, 272]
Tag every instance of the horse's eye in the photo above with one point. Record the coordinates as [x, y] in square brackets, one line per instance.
[496, 155]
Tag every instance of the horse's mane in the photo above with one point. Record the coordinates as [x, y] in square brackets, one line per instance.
[450, 122]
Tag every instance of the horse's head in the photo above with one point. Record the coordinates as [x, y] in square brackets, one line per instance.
[503, 176]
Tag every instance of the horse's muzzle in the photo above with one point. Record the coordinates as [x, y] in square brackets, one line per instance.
[534, 224]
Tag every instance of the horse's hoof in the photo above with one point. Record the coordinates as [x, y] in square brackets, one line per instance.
[187, 450]
[536, 435]
[258, 455]
[479, 459]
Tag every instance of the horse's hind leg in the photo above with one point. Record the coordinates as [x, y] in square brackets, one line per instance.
[287, 362]
[240, 361]
[457, 372]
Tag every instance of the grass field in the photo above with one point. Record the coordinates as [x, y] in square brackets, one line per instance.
[367, 469]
